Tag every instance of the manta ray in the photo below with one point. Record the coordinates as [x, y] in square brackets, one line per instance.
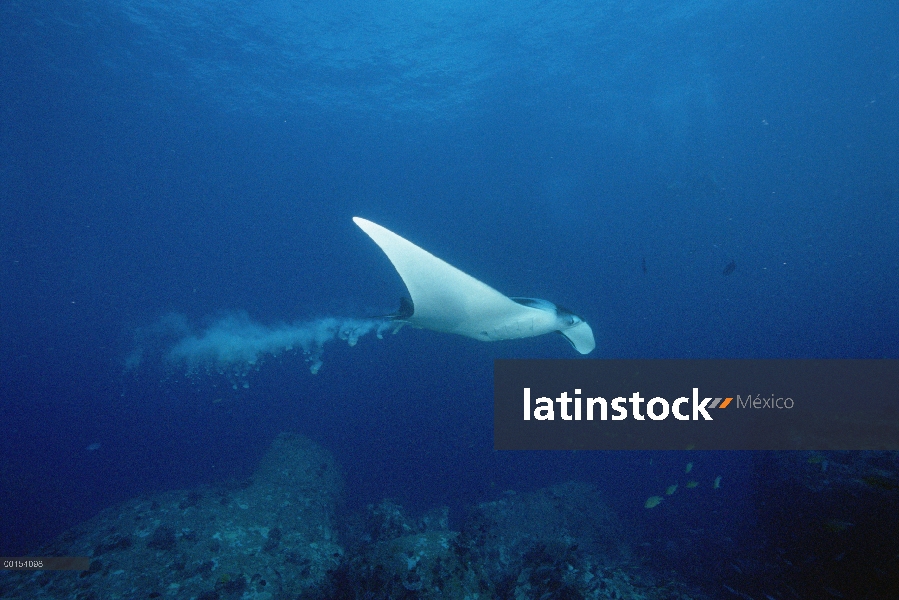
[443, 298]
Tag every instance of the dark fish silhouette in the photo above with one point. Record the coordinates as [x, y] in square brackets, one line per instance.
[644, 264]
[730, 268]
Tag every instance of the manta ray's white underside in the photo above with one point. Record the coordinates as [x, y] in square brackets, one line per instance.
[446, 299]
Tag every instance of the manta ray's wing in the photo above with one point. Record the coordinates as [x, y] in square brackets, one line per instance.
[443, 297]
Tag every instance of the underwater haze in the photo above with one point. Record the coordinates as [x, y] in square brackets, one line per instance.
[181, 280]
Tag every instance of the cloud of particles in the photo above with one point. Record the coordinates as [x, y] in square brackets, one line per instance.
[234, 344]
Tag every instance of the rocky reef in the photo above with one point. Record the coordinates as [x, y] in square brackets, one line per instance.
[560, 542]
[272, 537]
[278, 536]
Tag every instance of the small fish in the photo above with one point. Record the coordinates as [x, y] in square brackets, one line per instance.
[692, 484]
[93, 447]
[644, 265]
[688, 468]
[671, 489]
[730, 268]
[717, 483]
[653, 501]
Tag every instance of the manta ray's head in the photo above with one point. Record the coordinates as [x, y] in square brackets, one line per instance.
[566, 317]
[576, 330]
[570, 325]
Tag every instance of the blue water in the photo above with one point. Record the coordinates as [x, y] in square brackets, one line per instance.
[205, 159]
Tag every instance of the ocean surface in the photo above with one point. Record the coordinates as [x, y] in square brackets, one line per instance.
[695, 179]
